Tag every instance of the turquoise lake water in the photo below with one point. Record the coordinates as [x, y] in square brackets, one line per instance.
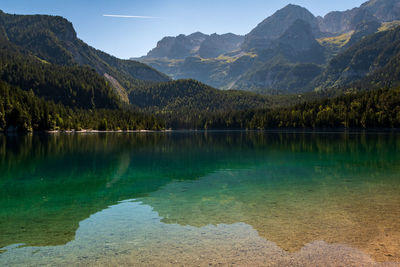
[216, 198]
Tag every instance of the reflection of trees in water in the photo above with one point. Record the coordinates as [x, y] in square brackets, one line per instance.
[15, 148]
[52, 182]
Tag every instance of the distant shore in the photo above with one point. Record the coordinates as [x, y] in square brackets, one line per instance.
[89, 131]
[106, 131]
[272, 130]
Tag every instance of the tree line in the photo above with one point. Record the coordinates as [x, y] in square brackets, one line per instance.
[22, 110]
[378, 108]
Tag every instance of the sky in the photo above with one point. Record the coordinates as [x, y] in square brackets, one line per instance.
[140, 24]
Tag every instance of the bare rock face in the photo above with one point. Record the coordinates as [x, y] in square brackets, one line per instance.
[296, 45]
[340, 22]
[373, 10]
[383, 10]
[298, 37]
[178, 47]
[216, 45]
[362, 30]
[196, 44]
[274, 26]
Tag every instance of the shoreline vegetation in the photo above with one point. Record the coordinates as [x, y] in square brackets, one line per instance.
[86, 131]
[274, 130]
[22, 111]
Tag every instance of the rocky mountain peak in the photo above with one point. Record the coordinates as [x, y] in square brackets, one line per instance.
[274, 26]
[383, 10]
[298, 36]
[374, 10]
[215, 44]
[178, 47]
[196, 44]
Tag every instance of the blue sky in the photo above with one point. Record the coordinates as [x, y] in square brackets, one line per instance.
[133, 37]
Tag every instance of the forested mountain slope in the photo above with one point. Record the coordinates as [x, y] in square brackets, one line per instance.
[377, 53]
[70, 85]
[54, 40]
[192, 96]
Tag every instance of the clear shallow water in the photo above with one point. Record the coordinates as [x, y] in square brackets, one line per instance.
[200, 199]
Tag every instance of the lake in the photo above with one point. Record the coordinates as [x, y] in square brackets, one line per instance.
[200, 199]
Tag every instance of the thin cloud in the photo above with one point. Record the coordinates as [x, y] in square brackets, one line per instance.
[129, 17]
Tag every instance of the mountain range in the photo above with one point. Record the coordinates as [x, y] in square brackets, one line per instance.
[196, 44]
[50, 79]
[289, 52]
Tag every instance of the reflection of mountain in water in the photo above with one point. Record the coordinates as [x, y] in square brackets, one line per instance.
[51, 183]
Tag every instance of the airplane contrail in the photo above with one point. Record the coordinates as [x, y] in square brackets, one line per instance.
[128, 16]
